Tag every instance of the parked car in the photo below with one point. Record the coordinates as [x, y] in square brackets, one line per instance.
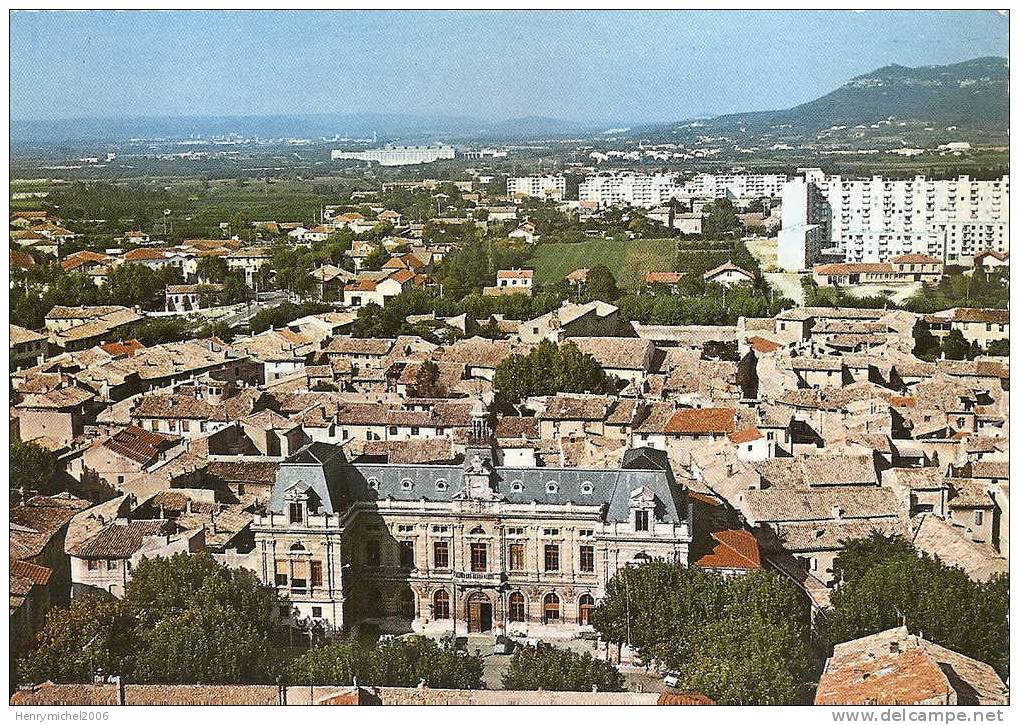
[671, 679]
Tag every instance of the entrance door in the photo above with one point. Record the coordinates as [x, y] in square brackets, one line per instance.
[479, 613]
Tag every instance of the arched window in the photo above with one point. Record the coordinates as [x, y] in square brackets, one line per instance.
[551, 487]
[298, 547]
[551, 609]
[478, 531]
[587, 488]
[440, 605]
[407, 603]
[517, 486]
[585, 608]
[517, 607]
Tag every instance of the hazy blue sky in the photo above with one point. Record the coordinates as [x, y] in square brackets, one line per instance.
[578, 65]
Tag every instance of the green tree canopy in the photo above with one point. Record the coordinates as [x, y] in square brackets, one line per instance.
[32, 468]
[403, 662]
[743, 640]
[885, 583]
[551, 668]
[183, 619]
[549, 369]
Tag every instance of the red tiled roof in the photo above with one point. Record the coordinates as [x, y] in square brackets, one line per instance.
[761, 344]
[123, 348]
[746, 435]
[663, 277]
[735, 549]
[137, 444]
[22, 259]
[143, 253]
[26, 570]
[702, 420]
[913, 258]
[514, 274]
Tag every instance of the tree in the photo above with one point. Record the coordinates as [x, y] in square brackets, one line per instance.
[549, 369]
[32, 468]
[998, 348]
[550, 668]
[183, 619]
[95, 632]
[749, 660]
[401, 662]
[426, 381]
[199, 621]
[601, 285]
[739, 640]
[925, 345]
[885, 583]
[212, 269]
[376, 258]
[955, 346]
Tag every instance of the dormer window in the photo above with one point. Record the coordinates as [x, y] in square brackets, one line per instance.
[406, 484]
[373, 484]
[296, 512]
[641, 520]
[587, 488]
[517, 487]
[441, 485]
[551, 487]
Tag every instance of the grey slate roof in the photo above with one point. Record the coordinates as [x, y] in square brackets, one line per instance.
[338, 484]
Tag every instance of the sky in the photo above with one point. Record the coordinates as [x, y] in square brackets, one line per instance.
[588, 66]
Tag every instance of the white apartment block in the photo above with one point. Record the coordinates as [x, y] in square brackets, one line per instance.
[873, 220]
[641, 190]
[398, 155]
[550, 185]
[736, 186]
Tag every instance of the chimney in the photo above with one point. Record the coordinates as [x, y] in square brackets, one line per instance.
[837, 512]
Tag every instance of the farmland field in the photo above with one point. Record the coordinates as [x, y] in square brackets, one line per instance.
[628, 260]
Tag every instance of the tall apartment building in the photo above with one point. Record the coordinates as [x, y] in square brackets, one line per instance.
[873, 220]
[550, 185]
[398, 155]
[806, 225]
[736, 186]
[475, 547]
[641, 190]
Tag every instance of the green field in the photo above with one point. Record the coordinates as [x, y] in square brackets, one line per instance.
[628, 260]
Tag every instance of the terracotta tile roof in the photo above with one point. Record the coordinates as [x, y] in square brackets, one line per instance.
[663, 277]
[80, 259]
[734, 549]
[746, 435]
[21, 259]
[138, 445]
[119, 540]
[34, 523]
[21, 336]
[694, 421]
[763, 345]
[142, 254]
[855, 268]
[727, 267]
[39, 575]
[123, 348]
[514, 274]
[896, 668]
[914, 258]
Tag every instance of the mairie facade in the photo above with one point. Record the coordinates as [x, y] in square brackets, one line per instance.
[462, 549]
